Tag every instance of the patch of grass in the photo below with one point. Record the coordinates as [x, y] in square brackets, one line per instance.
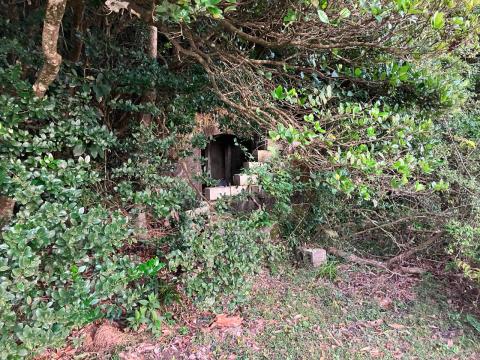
[307, 317]
[329, 270]
[297, 314]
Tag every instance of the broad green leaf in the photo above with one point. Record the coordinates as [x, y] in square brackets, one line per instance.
[438, 20]
[419, 186]
[78, 150]
[329, 91]
[322, 15]
[290, 17]
[278, 93]
[345, 13]
[215, 12]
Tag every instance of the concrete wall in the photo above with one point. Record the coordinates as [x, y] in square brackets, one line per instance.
[188, 167]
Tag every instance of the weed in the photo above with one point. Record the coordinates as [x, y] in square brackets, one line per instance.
[183, 330]
[329, 270]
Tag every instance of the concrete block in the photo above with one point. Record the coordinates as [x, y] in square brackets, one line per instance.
[262, 155]
[273, 145]
[214, 193]
[251, 164]
[243, 179]
[256, 189]
[313, 257]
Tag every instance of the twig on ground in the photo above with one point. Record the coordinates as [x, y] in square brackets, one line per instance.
[375, 263]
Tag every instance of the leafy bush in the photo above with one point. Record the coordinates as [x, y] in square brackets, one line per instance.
[62, 262]
[462, 171]
[144, 175]
[59, 269]
[329, 270]
[466, 248]
[218, 258]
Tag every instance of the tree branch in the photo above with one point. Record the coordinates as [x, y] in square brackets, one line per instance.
[53, 60]
[78, 7]
[375, 263]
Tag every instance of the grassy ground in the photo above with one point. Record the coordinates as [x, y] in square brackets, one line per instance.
[299, 315]
[337, 312]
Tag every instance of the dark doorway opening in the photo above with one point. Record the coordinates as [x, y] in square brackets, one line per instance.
[225, 157]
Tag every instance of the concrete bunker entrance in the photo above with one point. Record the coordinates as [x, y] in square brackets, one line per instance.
[225, 156]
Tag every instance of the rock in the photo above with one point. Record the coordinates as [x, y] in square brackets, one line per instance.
[273, 145]
[252, 164]
[244, 179]
[313, 257]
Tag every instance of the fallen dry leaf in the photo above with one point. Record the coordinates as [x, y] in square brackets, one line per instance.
[375, 353]
[374, 323]
[167, 331]
[397, 326]
[298, 316]
[224, 321]
[385, 303]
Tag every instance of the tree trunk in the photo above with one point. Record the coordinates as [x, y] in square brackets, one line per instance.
[78, 7]
[146, 120]
[53, 60]
[151, 95]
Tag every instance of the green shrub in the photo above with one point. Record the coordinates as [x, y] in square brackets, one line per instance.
[218, 258]
[143, 176]
[465, 248]
[61, 258]
[58, 268]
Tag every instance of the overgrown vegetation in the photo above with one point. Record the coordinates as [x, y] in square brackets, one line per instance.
[219, 258]
[373, 106]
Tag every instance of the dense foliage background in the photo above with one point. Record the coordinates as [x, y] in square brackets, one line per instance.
[374, 103]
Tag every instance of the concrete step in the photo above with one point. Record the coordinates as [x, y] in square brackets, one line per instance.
[262, 155]
[273, 145]
[255, 189]
[243, 179]
[251, 164]
[214, 193]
